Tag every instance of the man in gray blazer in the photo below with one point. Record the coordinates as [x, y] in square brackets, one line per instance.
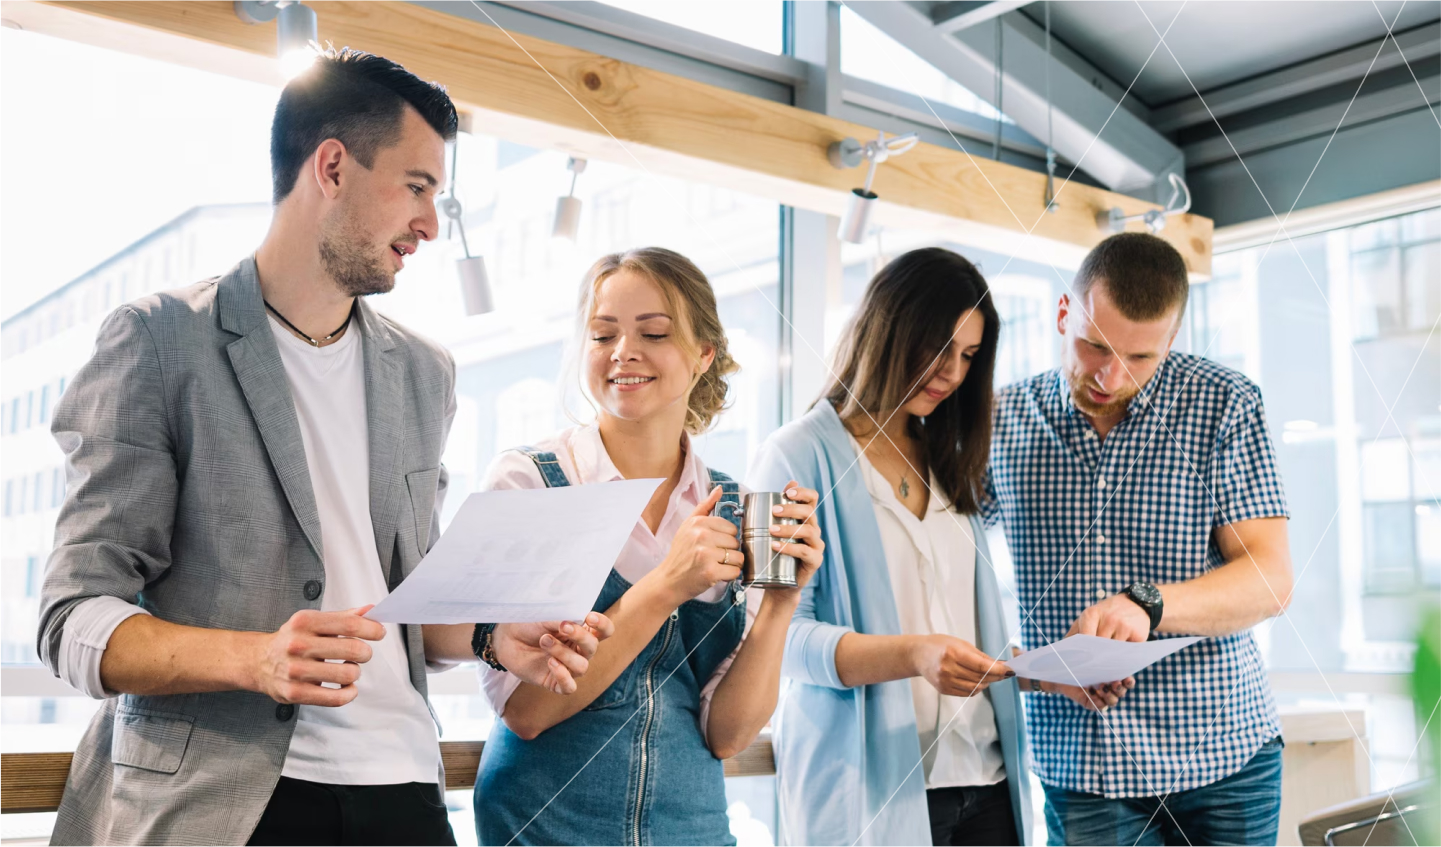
[252, 462]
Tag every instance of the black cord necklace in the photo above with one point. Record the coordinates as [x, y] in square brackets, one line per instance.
[300, 333]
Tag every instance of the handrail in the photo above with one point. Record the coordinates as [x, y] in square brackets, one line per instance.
[35, 782]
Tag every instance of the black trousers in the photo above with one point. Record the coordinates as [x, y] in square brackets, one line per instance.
[972, 814]
[301, 812]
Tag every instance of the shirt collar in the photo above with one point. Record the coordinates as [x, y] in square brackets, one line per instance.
[1138, 405]
[593, 463]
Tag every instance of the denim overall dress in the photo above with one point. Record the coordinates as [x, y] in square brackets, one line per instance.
[632, 767]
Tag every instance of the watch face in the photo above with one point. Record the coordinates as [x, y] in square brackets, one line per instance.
[1146, 593]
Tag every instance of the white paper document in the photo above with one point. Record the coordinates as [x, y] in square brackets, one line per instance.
[1086, 660]
[521, 555]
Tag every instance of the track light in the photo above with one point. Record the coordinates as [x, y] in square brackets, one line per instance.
[848, 153]
[1114, 220]
[474, 279]
[296, 30]
[567, 208]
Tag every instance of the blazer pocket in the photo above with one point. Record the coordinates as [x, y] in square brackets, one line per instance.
[422, 486]
[152, 741]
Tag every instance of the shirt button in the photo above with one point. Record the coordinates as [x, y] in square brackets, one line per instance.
[1100, 539]
[284, 712]
[1101, 483]
[312, 589]
[1101, 594]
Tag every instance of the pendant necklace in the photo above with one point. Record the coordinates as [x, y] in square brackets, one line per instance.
[905, 487]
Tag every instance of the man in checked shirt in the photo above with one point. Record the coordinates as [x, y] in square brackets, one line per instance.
[1140, 496]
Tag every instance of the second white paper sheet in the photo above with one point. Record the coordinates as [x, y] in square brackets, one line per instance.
[521, 555]
[1086, 660]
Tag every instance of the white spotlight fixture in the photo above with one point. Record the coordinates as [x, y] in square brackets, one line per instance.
[849, 153]
[296, 30]
[567, 208]
[1114, 220]
[474, 280]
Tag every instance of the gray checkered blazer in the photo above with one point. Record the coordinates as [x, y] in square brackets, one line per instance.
[189, 493]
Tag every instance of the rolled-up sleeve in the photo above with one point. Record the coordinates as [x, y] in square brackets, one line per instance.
[810, 654]
[82, 644]
[113, 534]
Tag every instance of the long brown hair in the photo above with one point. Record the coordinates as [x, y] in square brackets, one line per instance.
[904, 322]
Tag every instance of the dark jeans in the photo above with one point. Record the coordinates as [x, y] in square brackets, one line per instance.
[301, 812]
[1243, 808]
[972, 814]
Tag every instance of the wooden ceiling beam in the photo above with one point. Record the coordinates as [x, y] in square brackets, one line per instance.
[553, 96]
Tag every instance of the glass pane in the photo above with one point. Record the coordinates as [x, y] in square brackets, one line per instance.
[1420, 226]
[1376, 283]
[1390, 540]
[754, 23]
[1428, 543]
[1423, 284]
[1373, 235]
[870, 54]
[1383, 470]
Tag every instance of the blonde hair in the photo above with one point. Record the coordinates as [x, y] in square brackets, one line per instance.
[689, 296]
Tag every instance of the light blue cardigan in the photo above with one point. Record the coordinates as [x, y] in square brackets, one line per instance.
[846, 755]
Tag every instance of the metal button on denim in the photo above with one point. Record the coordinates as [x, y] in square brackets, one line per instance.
[312, 589]
[284, 712]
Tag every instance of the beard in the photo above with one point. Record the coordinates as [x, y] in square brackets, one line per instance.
[343, 256]
[1082, 400]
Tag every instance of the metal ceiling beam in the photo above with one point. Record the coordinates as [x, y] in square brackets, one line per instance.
[1368, 106]
[1129, 156]
[1348, 64]
[956, 15]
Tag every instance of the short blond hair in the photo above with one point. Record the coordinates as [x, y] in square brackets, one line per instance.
[691, 299]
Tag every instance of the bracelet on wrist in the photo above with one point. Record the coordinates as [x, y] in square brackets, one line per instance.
[482, 644]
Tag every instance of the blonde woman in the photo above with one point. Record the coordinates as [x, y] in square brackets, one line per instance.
[692, 673]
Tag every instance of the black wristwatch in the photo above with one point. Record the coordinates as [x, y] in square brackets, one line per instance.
[1148, 597]
[482, 645]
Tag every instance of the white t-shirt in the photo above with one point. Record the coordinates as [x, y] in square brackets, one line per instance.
[386, 734]
[932, 565]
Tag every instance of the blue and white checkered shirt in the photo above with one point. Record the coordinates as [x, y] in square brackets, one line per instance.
[1085, 518]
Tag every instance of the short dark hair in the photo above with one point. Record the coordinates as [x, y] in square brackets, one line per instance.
[357, 98]
[905, 320]
[1144, 275]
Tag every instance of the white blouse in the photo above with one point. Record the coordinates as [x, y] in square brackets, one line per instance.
[932, 565]
[582, 455]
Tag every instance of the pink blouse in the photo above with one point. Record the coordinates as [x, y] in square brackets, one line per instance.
[583, 457]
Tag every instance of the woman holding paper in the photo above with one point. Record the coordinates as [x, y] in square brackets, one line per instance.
[692, 673]
[893, 655]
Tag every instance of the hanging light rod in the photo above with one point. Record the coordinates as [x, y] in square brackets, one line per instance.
[850, 153]
[567, 208]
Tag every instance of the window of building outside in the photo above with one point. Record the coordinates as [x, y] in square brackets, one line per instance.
[1339, 331]
[511, 364]
[869, 53]
[752, 23]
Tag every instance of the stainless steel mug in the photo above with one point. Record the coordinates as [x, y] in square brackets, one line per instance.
[763, 567]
